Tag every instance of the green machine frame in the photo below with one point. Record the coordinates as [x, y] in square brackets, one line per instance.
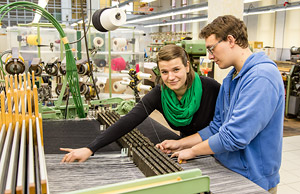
[188, 182]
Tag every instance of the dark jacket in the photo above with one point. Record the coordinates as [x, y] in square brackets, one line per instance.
[152, 101]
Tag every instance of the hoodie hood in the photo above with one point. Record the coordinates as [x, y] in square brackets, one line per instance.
[253, 60]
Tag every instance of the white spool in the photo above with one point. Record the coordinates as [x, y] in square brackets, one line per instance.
[98, 42]
[143, 87]
[141, 75]
[111, 19]
[125, 71]
[101, 82]
[126, 83]
[118, 87]
[101, 85]
[119, 44]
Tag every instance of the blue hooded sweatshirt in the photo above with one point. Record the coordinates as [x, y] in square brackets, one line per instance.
[246, 131]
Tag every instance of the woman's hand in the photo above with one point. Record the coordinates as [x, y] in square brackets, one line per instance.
[169, 146]
[80, 154]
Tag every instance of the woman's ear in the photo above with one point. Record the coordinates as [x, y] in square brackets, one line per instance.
[188, 67]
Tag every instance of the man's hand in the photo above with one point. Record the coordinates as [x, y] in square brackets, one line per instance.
[169, 146]
[184, 155]
[80, 154]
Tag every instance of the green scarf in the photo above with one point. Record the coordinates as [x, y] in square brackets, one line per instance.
[180, 113]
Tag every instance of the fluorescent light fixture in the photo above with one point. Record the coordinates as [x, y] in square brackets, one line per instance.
[250, 1]
[255, 11]
[172, 12]
[258, 12]
[189, 20]
[272, 9]
[37, 17]
[287, 8]
[147, 1]
[167, 15]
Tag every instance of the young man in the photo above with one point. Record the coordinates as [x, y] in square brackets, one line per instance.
[246, 132]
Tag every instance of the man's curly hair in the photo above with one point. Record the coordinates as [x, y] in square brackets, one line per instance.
[226, 25]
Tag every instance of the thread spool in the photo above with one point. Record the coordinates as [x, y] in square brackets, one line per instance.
[118, 64]
[125, 71]
[119, 44]
[101, 86]
[32, 40]
[98, 42]
[141, 75]
[126, 83]
[108, 19]
[118, 87]
[100, 62]
[140, 87]
[100, 83]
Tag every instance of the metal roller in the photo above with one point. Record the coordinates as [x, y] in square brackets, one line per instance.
[58, 90]
[36, 66]
[51, 67]
[14, 63]
[83, 68]
[83, 88]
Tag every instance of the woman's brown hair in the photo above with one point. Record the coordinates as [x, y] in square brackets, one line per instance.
[170, 52]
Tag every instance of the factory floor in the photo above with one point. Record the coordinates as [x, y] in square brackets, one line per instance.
[290, 167]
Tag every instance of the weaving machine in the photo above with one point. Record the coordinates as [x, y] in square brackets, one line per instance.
[22, 165]
[109, 166]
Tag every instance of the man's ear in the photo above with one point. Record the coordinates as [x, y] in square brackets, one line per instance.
[231, 40]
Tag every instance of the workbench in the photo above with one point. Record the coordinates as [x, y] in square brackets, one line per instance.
[109, 166]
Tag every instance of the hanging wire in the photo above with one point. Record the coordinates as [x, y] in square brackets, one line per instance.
[90, 19]
[72, 75]
[87, 51]
[150, 120]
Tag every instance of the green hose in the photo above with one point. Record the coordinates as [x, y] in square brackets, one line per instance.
[71, 69]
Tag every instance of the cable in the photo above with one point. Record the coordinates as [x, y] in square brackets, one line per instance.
[72, 75]
[150, 120]
[90, 19]
[250, 7]
[87, 52]
[283, 35]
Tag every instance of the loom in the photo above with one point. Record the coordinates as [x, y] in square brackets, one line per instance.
[22, 164]
[111, 166]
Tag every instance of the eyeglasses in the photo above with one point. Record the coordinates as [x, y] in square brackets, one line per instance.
[210, 49]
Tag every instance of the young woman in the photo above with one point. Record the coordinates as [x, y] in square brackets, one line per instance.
[186, 100]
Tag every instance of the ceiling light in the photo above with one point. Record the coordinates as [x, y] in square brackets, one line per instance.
[181, 21]
[37, 17]
[254, 11]
[258, 12]
[147, 1]
[250, 1]
[172, 12]
[287, 8]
